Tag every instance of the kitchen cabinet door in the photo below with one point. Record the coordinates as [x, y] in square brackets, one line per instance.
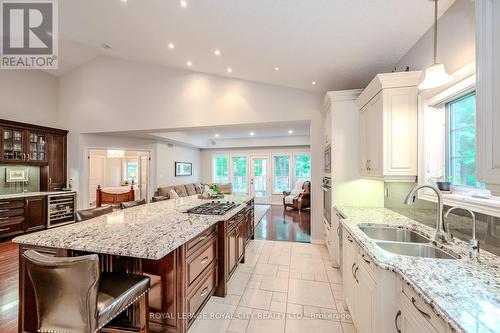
[363, 158]
[242, 235]
[56, 162]
[35, 214]
[409, 320]
[233, 249]
[36, 150]
[13, 144]
[350, 250]
[374, 136]
[487, 92]
[364, 300]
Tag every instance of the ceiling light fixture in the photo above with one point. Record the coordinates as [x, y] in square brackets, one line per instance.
[313, 83]
[171, 46]
[252, 133]
[435, 75]
[105, 46]
[189, 63]
[184, 3]
[217, 52]
[290, 131]
[216, 135]
[229, 70]
[124, 1]
[276, 69]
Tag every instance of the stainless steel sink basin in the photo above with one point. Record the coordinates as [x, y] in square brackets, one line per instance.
[415, 250]
[393, 234]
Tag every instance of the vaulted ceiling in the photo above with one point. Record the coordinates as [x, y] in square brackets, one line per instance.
[337, 44]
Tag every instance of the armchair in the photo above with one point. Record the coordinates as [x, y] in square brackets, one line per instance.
[300, 200]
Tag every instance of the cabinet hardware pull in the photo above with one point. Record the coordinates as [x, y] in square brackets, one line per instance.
[356, 275]
[4, 202]
[204, 291]
[352, 270]
[396, 321]
[203, 237]
[204, 260]
[5, 229]
[425, 314]
[366, 260]
[349, 238]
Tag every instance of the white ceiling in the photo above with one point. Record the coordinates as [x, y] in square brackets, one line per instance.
[264, 134]
[340, 44]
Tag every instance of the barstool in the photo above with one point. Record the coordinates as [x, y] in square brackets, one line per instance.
[73, 296]
[87, 214]
[130, 204]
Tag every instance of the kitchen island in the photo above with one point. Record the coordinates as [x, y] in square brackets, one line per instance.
[188, 257]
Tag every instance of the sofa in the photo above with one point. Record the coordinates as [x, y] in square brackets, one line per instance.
[163, 193]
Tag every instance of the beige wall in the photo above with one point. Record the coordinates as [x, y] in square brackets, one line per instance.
[456, 40]
[167, 155]
[29, 96]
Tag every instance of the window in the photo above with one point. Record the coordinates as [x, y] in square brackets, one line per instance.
[239, 175]
[132, 172]
[281, 174]
[461, 142]
[302, 168]
[221, 170]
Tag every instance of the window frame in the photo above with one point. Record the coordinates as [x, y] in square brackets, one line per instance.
[448, 142]
[295, 154]
[231, 171]
[273, 169]
[214, 175]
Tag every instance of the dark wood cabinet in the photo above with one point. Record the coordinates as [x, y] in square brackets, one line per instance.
[25, 144]
[232, 249]
[35, 213]
[57, 162]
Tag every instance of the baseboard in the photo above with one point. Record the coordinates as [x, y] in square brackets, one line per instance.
[317, 241]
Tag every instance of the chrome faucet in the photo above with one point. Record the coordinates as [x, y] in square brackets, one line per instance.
[473, 243]
[440, 236]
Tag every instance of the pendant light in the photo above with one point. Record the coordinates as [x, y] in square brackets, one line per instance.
[435, 75]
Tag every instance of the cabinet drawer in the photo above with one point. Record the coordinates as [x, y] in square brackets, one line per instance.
[10, 204]
[7, 212]
[203, 291]
[204, 236]
[423, 310]
[8, 229]
[200, 260]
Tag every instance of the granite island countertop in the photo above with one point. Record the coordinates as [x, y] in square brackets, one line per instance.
[464, 293]
[148, 231]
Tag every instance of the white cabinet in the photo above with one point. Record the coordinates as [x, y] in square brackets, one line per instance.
[350, 251]
[364, 300]
[408, 320]
[327, 128]
[488, 92]
[388, 127]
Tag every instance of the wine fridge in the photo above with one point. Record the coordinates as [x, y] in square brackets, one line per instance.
[61, 209]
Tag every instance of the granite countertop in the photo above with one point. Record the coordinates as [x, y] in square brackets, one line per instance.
[31, 194]
[148, 231]
[464, 293]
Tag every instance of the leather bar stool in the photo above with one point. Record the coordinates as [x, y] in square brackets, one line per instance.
[73, 296]
[130, 204]
[87, 214]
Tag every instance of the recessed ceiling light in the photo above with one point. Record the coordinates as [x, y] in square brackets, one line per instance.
[216, 135]
[313, 83]
[276, 69]
[184, 3]
[105, 46]
[229, 70]
[217, 52]
[290, 131]
[189, 63]
[123, 1]
[252, 133]
[171, 46]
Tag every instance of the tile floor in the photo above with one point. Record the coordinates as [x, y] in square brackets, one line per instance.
[282, 287]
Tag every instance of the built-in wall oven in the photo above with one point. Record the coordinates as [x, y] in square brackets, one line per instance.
[61, 209]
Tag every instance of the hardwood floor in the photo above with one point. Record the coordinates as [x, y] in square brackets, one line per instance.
[284, 225]
[9, 286]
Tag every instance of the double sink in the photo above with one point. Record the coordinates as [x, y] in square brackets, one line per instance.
[403, 242]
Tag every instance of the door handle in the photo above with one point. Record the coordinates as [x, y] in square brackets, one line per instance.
[352, 270]
[356, 274]
[349, 239]
[204, 291]
[423, 313]
[396, 321]
[204, 260]
[366, 260]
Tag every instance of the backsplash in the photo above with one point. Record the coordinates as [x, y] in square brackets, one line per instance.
[488, 227]
[33, 184]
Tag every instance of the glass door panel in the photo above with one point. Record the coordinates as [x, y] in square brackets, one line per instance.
[260, 179]
[37, 146]
[13, 144]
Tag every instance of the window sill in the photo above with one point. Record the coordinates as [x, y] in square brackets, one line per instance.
[484, 206]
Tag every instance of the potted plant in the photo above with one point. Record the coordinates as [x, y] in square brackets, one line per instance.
[214, 188]
[443, 185]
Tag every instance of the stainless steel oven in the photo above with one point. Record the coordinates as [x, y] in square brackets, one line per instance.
[327, 199]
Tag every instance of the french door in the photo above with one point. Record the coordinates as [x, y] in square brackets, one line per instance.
[260, 185]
